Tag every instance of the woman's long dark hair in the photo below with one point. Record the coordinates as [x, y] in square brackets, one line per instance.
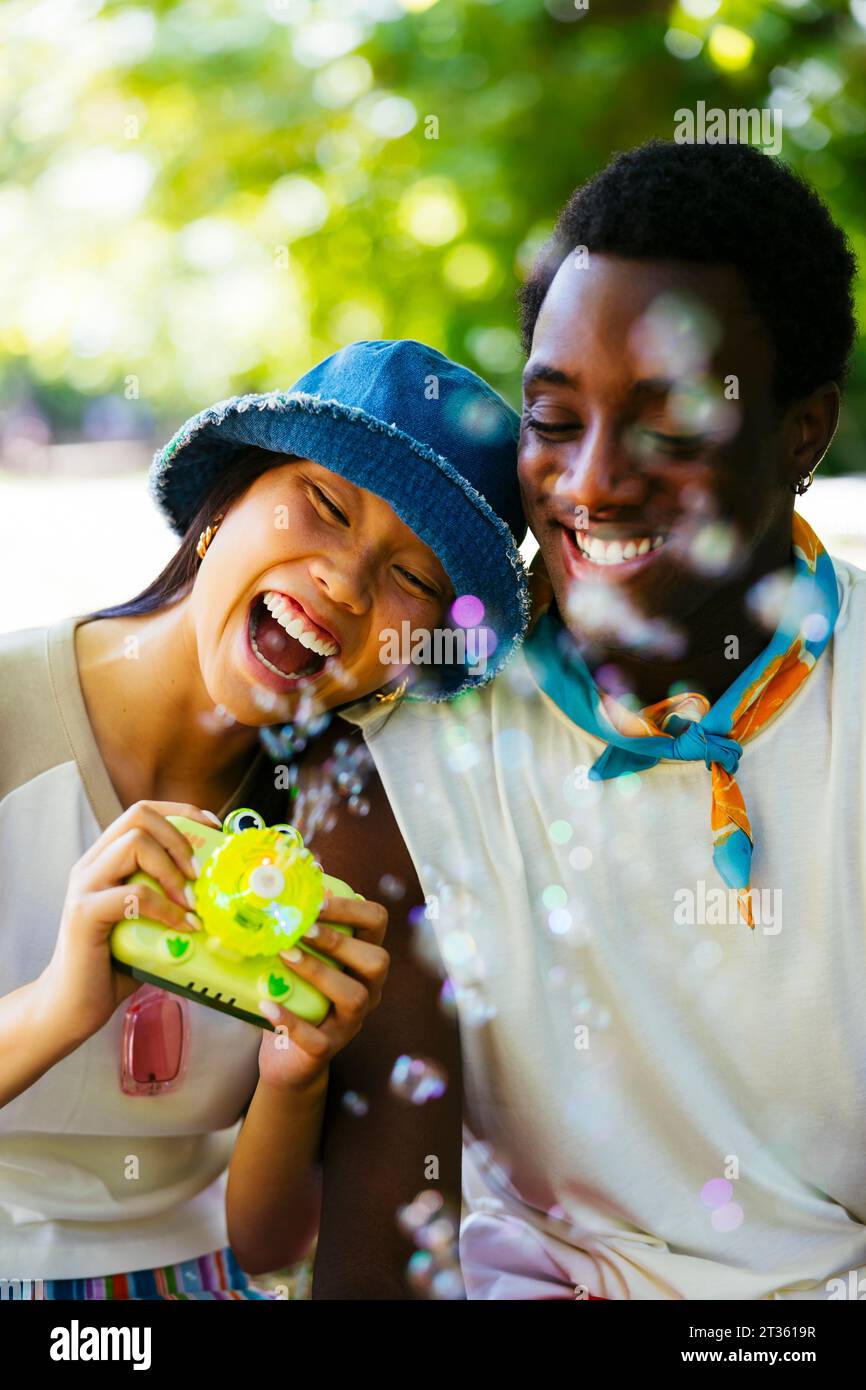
[176, 579]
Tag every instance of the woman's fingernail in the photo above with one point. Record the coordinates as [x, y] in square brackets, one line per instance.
[270, 1010]
[196, 866]
[216, 820]
[194, 921]
[312, 930]
[189, 894]
[294, 955]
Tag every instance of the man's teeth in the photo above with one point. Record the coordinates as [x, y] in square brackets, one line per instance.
[297, 626]
[600, 552]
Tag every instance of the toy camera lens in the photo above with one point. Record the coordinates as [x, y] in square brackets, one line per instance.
[267, 881]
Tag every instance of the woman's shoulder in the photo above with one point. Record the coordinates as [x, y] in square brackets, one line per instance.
[24, 668]
[32, 738]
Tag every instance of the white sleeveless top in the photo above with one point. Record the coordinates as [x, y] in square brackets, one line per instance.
[67, 1207]
[660, 1103]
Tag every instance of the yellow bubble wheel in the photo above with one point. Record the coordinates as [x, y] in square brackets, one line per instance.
[259, 891]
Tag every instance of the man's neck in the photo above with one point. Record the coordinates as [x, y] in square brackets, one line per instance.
[721, 640]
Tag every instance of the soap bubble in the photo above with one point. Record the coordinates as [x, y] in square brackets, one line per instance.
[437, 1234]
[420, 1271]
[355, 1104]
[418, 1079]
[457, 902]
[559, 921]
[717, 1192]
[554, 895]
[706, 955]
[712, 549]
[358, 806]
[765, 600]
[423, 941]
[463, 962]
[518, 676]
[627, 785]
[675, 337]
[392, 887]
[447, 1284]
[603, 612]
[728, 1218]
[218, 719]
[587, 1011]
[419, 1211]
[463, 755]
[814, 627]
[448, 1000]
[467, 610]
[343, 775]
[432, 1224]
[474, 1007]
[612, 680]
[513, 748]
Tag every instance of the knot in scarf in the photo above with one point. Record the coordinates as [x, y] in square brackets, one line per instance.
[698, 744]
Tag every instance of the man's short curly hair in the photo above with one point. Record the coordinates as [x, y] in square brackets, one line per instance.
[727, 204]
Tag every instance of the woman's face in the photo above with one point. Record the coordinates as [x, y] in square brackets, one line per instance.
[297, 589]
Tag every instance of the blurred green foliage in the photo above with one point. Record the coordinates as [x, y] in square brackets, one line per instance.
[200, 198]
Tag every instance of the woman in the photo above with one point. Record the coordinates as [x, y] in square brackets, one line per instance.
[375, 493]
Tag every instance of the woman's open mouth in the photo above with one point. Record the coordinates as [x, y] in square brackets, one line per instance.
[285, 641]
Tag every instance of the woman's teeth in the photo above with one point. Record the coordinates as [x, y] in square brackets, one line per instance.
[600, 552]
[296, 625]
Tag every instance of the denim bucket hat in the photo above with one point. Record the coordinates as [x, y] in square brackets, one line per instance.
[405, 422]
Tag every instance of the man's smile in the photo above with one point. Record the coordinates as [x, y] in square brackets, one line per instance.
[618, 551]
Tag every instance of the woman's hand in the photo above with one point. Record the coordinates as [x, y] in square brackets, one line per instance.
[80, 989]
[354, 992]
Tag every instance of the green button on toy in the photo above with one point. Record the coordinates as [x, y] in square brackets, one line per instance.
[274, 986]
[176, 948]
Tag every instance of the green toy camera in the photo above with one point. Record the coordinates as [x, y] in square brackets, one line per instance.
[258, 892]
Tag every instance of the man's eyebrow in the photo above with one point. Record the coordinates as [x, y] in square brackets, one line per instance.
[653, 386]
[540, 371]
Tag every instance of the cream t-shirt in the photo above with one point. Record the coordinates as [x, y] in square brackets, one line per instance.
[70, 1206]
[660, 1102]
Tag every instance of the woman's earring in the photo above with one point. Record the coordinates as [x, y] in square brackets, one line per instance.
[207, 536]
[396, 694]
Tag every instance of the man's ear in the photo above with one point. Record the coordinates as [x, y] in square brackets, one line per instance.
[812, 425]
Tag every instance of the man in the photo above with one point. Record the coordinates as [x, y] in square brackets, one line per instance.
[643, 844]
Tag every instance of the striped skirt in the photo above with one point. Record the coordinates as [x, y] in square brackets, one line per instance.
[214, 1276]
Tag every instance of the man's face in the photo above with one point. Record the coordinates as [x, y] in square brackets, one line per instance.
[651, 456]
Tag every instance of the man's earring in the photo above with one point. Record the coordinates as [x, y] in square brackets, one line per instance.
[803, 484]
[207, 536]
[396, 694]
